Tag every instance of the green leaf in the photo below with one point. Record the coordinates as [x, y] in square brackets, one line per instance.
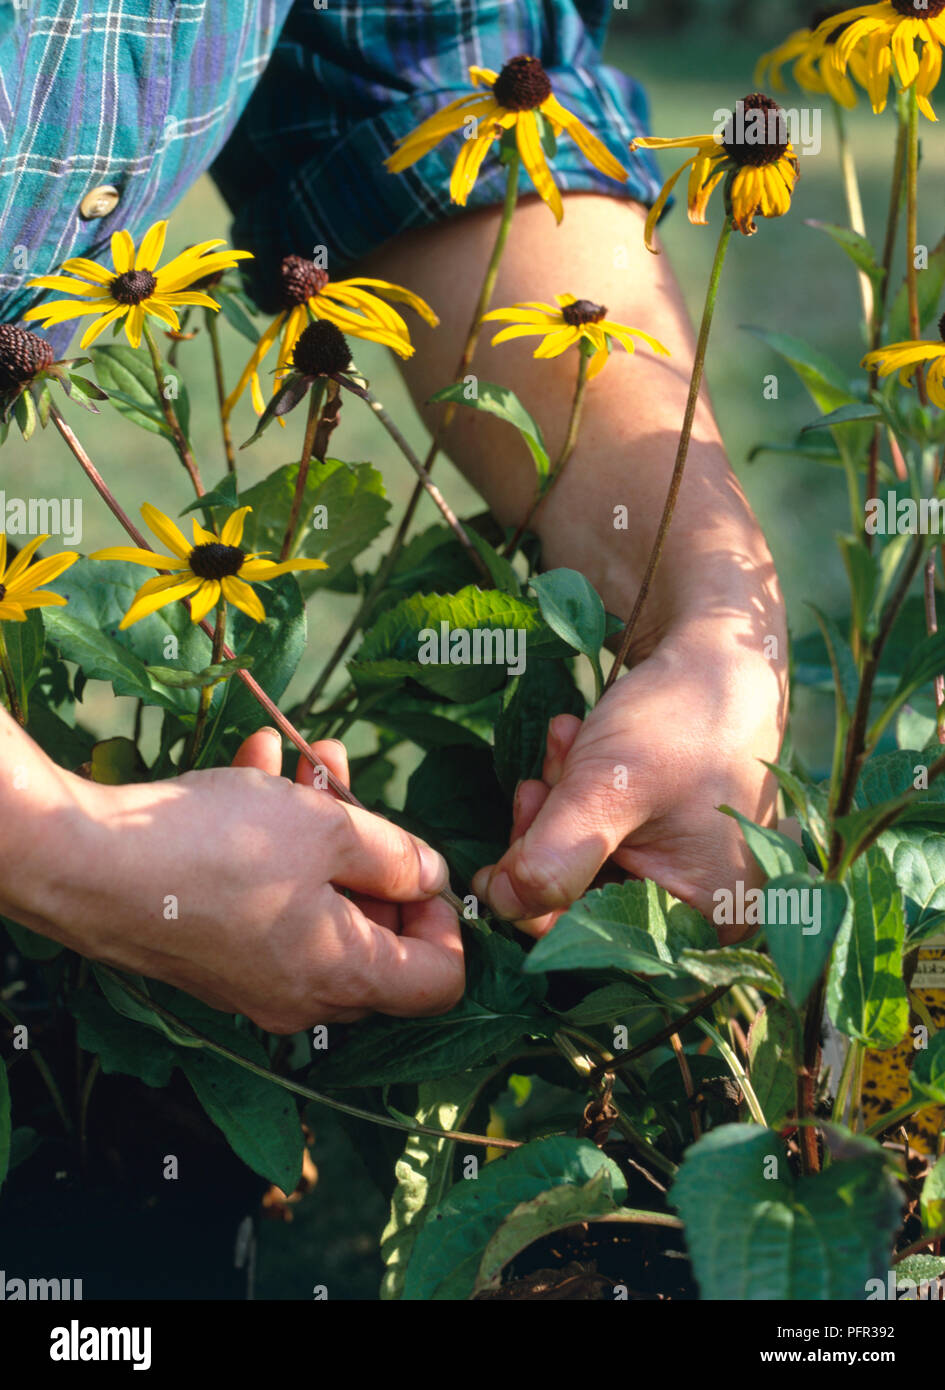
[393, 651]
[503, 403]
[500, 1008]
[927, 1077]
[774, 853]
[25, 642]
[914, 845]
[843, 666]
[235, 315]
[456, 1235]
[546, 135]
[823, 379]
[916, 1268]
[121, 1045]
[755, 1232]
[6, 1127]
[24, 412]
[116, 762]
[608, 1005]
[572, 608]
[423, 1172]
[196, 680]
[530, 701]
[344, 510]
[128, 377]
[933, 1198]
[857, 247]
[734, 965]
[454, 795]
[537, 1217]
[930, 282]
[845, 415]
[29, 943]
[774, 1044]
[802, 918]
[272, 650]
[102, 658]
[866, 996]
[633, 926]
[223, 495]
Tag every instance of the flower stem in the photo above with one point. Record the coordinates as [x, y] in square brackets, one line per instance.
[912, 232]
[851, 190]
[17, 709]
[210, 319]
[206, 691]
[465, 360]
[315, 398]
[695, 385]
[427, 483]
[170, 414]
[574, 424]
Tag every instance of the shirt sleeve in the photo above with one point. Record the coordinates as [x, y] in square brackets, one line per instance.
[305, 166]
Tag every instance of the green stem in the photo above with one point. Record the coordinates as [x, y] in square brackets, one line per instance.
[574, 425]
[210, 319]
[206, 691]
[472, 339]
[912, 232]
[170, 414]
[17, 707]
[845, 1082]
[851, 191]
[695, 385]
[41, 1066]
[315, 398]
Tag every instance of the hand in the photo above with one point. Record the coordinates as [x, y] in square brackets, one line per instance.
[638, 783]
[226, 884]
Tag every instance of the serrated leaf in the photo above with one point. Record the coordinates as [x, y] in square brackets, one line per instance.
[755, 1232]
[802, 918]
[734, 965]
[773, 1051]
[866, 996]
[128, 378]
[505, 405]
[933, 1198]
[774, 853]
[572, 608]
[927, 1077]
[451, 1247]
[536, 697]
[121, 1045]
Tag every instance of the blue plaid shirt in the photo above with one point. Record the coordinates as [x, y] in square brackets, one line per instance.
[292, 107]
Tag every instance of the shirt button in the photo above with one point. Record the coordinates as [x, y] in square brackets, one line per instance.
[99, 202]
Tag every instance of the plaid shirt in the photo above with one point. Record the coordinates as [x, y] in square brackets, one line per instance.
[292, 107]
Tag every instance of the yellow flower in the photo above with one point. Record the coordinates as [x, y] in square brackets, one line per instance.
[888, 32]
[135, 288]
[213, 567]
[349, 304]
[904, 358]
[816, 65]
[19, 583]
[516, 95]
[573, 321]
[754, 152]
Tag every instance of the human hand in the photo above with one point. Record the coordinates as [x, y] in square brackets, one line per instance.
[635, 787]
[226, 884]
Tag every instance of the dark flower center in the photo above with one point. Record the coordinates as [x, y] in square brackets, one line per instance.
[522, 85]
[757, 133]
[583, 311]
[216, 561]
[919, 9]
[300, 280]
[22, 355]
[133, 286]
[321, 350]
[820, 17]
[3, 592]
[941, 328]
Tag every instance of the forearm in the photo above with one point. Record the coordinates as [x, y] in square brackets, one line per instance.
[716, 565]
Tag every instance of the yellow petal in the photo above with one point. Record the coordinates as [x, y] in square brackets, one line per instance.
[19, 563]
[96, 329]
[133, 556]
[590, 146]
[519, 330]
[261, 570]
[62, 309]
[143, 604]
[152, 244]
[188, 297]
[244, 598]
[252, 366]
[11, 612]
[166, 531]
[558, 342]
[482, 77]
[203, 537]
[89, 270]
[467, 166]
[45, 599]
[437, 127]
[653, 216]
[162, 311]
[43, 572]
[232, 532]
[67, 285]
[206, 597]
[123, 251]
[533, 157]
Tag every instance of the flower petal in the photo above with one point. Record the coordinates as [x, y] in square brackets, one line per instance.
[206, 597]
[244, 598]
[232, 532]
[590, 146]
[89, 270]
[152, 244]
[252, 366]
[123, 251]
[533, 157]
[97, 328]
[166, 531]
[172, 588]
[43, 572]
[132, 555]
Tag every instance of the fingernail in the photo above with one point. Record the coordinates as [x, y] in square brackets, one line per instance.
[268, 729]
[504, 898]
[515, 794]
[434, 875]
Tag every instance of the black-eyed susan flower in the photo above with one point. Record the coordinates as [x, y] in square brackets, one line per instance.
[816, 67]
[20, 581]
[135, 288]
[355, 306]
[516, 95]
[574, 321]
[888, 33]
[753, 153]
[321, 354]
[207, 570]
[904, 358]
[25, 359]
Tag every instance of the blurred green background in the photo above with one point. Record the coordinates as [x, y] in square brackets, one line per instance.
[693, 56]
